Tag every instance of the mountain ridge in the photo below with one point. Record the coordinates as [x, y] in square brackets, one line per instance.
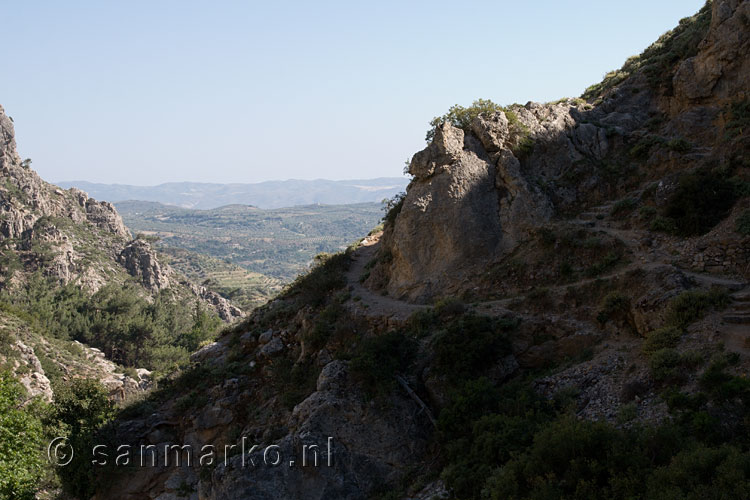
[267, 195]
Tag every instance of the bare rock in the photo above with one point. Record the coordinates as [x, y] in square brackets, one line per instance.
[141, 262]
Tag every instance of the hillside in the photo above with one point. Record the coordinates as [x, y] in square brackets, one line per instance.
[267, 195]
[276, 243]
[66, 260]
[557, 308]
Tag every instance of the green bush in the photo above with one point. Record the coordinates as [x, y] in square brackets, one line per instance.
[570, 458]
[461, 117]
[520, 134]
[693, 305]
[484, 426]
[623, 207]
[20, 444]
[326, 275]
[614, 305]
[743, 223]
[643, 147]
[679, 145]
[609, 261]
[739, 121]
[703, 472]
[392, 208]
[80, 410]
[469, 345]
[662, 338]
[664, 363]
[377, 360]
[663, 225]
[295, 381]
[702, 199]
[119, 320]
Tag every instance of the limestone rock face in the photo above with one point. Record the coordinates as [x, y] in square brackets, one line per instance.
[469, 202]
[141, 262]
[224, 308]
[103, 215]
[721, 69]
[34, 379]
[449, 217]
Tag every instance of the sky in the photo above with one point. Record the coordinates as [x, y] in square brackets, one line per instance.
[145, 92]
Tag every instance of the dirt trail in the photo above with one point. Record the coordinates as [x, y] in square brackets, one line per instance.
[734, 330]
[375, 304]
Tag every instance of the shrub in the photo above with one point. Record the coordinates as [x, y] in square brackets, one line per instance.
[568, 459]
[643, 147]
[485, 425]
[80, 410]
[325, 324]
[661, 339]
[743, 223]
[422, 322]
[663, 363]
[469, 345]
[614, 305]
[377, 360]
[663, 224]
[692, 305]
[449, 306]
[326, 275]
[520, 134]
[461, 117]
[739, 121]
[609, 261]
[702, 199]
[703, 472]
[679, 145]
[294, 381]
[392, 208]
[20, 444]
[647, 212]
[623, 207]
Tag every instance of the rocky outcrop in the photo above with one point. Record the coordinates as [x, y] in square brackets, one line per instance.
[30, 373]
[721, 69]
[334, 423]
[453, 194]
[224, 308]
[121, 386]
[141, 262]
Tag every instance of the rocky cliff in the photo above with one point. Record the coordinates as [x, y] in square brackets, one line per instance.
[584, 258]
[74, 238]
[71, 239]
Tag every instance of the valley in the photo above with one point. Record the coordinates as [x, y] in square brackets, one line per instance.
[244, 253]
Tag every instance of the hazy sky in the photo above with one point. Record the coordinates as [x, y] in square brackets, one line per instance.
[144, 92]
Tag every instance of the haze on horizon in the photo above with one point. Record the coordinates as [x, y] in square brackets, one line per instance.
[144, 93]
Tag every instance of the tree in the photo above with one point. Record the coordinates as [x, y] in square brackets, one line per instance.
[20, 443]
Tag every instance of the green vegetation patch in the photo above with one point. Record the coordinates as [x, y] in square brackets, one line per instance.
[701, 200]
[118, 319]
[693, 305]
[743, 223]
[21, 439]
[377, 360]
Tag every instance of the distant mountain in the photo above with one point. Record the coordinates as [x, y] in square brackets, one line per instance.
[271, 194]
